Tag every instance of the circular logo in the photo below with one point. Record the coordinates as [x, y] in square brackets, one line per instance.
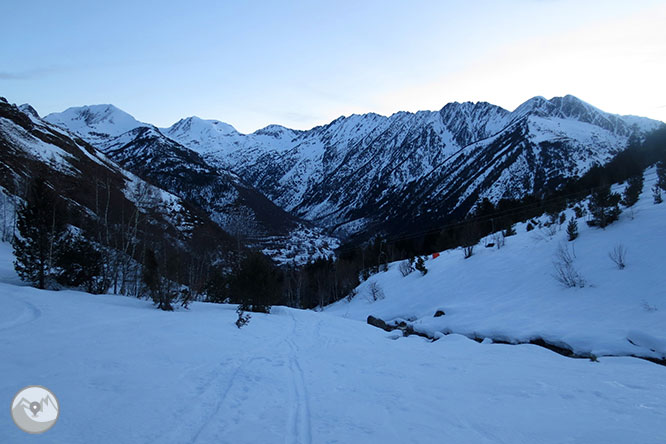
[35, 409]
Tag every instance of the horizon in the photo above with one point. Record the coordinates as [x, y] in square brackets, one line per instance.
[333, 119]
[300, 65]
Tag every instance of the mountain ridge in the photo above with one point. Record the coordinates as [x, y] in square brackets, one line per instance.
[367, 169]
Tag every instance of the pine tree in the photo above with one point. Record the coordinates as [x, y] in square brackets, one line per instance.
[256, 283]
[661, 174]
[41, 226]
[572, 229]
[80, 264]
[158, 284]
[633, 190]
[604, 207]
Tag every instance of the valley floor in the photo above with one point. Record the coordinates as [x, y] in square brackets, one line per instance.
[124, 372]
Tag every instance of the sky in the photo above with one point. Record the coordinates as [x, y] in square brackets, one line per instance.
[305, 63]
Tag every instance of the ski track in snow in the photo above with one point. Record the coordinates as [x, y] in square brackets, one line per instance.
[29, 314]
[223, 397]
[299, 429]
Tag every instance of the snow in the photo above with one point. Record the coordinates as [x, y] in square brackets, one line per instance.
[126, 372]
[510, 294]
[95, 123]
[50, 154]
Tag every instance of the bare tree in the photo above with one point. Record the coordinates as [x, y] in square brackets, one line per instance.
[376, 292]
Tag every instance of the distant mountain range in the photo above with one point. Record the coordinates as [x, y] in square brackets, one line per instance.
[364, 172]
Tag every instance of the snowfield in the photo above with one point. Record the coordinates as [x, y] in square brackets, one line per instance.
[124, 372]
[510, 294]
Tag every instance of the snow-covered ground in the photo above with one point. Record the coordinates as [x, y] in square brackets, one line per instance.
[510, 294]
[124, 372]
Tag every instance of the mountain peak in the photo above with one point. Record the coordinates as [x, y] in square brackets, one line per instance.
[95, 122]
[199, 125]
[29, 110]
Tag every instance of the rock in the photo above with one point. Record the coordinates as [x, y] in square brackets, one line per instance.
[378, 323]
[439, 313]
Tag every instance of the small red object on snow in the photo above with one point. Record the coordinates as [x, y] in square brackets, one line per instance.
[435, 255]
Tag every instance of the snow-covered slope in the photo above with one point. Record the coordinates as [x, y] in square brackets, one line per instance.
[124, 372]
[95, 123]
[399, 173]
[510, 294]
[395, 173]
[229, 201]
[90, 182]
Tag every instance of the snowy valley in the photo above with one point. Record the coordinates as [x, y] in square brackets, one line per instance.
[541, 320]
[302, 376]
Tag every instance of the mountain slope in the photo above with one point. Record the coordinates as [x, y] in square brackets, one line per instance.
[95, 187]
[234, 205]
[511, 295]
[410, 169]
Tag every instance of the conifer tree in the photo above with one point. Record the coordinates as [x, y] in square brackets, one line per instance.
[661, 174]
[572, 229]
[633, 190]
[604, 207]
[80, 264]
[41, 226]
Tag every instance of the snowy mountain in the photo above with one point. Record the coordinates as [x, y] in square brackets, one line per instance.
[94, 186]
[374, 173]
[412, 169]
[229, 201]
[95, 123]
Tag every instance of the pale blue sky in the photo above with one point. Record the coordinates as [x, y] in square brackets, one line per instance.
[303, 63]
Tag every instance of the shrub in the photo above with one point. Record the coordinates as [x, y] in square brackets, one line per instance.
[243, 318]
[565, 273]
[406, 267]
[420, 266]
[618, 256]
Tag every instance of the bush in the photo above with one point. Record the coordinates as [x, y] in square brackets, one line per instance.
[618, 256]
[420, 266]
[243, 318]
[406, 267]
[565, 273]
